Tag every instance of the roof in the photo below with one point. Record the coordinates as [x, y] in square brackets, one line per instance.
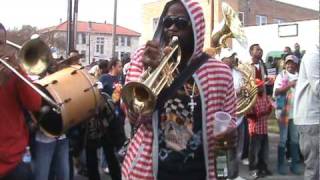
[83, 26]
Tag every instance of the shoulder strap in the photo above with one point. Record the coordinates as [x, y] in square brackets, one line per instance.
[181, 79]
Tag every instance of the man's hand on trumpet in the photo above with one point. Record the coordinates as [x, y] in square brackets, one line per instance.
[152, 54]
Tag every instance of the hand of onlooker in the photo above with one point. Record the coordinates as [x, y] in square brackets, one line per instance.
[292, 83]
[226, 140]
[152, 54]
[267, 81]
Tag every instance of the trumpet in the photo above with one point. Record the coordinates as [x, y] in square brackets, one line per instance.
[140, 97]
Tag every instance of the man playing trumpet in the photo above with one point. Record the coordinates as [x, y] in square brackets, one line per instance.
[176, 140]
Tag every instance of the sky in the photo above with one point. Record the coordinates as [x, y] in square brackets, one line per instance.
[45, 13]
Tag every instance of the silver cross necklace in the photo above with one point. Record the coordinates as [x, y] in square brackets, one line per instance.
[192, 103]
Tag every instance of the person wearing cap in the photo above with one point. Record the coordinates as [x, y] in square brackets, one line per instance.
[306, 111]
[229, 57]
[258, 132]
[284, 87]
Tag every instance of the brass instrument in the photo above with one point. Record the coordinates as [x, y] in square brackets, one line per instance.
[247, 96]
[140, 97]
[231, 27]
[63, 96]
[34, 56]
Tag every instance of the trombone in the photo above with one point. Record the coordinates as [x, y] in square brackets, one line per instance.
[34, 56]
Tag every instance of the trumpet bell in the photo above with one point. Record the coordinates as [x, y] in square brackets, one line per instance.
[139, 98]
[35, 56]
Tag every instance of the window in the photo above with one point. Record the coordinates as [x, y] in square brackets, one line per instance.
[117, 41]
[121, 55]
[128, 41]
[241, 17]
[261, 20]
[84, 56]
[155, 23]
[100, 45]
[102, 49]
[122, 41]
[83, 38]
[84, 53]
[116, 54]
[278, 21]
[100, 40]
[97, 48]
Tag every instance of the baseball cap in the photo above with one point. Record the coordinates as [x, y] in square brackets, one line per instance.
[225, 53]
[292, 58]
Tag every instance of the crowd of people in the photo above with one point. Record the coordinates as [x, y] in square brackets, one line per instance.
[176, 140]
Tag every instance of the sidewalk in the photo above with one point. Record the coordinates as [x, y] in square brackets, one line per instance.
[273, 143]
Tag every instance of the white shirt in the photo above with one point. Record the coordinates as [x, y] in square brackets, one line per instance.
[278, 83]
[237, 79]
[238, 83]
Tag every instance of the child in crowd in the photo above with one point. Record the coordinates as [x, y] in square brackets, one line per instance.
[258, 131]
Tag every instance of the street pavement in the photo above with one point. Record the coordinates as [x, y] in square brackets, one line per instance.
[273, 145]
[273, 142]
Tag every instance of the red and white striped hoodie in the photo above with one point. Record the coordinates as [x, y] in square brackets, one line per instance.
[215, 83]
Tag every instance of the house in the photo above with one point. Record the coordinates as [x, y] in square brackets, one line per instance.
[251, 13]
[94, 40]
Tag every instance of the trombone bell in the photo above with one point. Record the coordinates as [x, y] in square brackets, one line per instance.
[35, 56]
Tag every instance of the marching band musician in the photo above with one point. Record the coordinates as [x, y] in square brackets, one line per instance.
[177, 142]
[15, 95]
[228, 56]
[257, 118]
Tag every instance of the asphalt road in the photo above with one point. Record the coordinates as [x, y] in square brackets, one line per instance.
[273, 141]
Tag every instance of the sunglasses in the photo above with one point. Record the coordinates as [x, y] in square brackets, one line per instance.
[180, 22]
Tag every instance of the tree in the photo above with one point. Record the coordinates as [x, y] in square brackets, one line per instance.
[20, 36]
[55, 39]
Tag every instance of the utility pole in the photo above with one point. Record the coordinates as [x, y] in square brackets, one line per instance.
[75, 22]
[90, 28]
[211, 5]
[114, 35]
[69, 27]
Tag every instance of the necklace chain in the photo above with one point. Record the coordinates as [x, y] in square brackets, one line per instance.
[192, 103]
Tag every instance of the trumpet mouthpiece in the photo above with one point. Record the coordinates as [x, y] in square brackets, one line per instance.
[174, 40]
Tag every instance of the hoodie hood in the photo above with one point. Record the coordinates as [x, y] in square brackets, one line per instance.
[198, 25]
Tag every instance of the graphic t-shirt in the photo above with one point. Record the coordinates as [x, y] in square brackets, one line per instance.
[180, 139]
[112, 86]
